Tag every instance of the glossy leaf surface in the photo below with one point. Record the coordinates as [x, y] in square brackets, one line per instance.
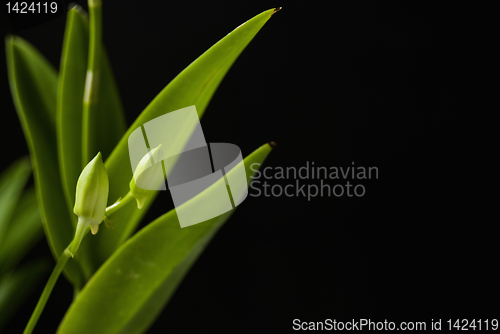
[193, 86]
[130, 289]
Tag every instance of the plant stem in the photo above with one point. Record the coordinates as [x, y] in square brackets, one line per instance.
[81, 229]
[118, 205]
[63, 259]
[61, 262]
[92, 80]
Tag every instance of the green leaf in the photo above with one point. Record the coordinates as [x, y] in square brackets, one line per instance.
[12, 183]
[17, 286]
[33, 84]
[110, 125]
[69, 102]
[24, 231]
[109, 118]
[128, 292]
[193, 86]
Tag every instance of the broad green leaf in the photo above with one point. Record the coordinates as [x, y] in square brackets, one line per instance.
[193, 86]
[12, 183]
[33, 84]
[129, 290]
[110, 125]
[17, 286]
[109, 121]
[69, 102]
[23, 233]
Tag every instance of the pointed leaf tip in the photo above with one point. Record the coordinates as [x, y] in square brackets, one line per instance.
[193, 86]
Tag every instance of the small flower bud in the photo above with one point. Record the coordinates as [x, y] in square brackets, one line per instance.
[148, 176]
[91, 199]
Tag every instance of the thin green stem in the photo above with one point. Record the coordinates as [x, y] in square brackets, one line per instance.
[81, 230]
[63, 259]
[90, 96]
[61, 262]
[118, 205]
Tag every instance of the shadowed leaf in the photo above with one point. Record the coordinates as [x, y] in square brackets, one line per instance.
[12, 183]
[33, 83]
[24, 232]
[17, 286]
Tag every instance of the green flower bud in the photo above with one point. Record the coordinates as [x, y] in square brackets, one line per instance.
[148, 176]
[91, 199]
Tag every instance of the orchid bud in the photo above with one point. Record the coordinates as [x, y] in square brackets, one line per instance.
[91, 199]
[148, 176]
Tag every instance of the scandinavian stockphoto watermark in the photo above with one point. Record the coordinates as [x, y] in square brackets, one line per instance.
[311, 181]
[170, 151]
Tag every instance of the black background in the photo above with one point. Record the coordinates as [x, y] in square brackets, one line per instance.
[389, 85]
